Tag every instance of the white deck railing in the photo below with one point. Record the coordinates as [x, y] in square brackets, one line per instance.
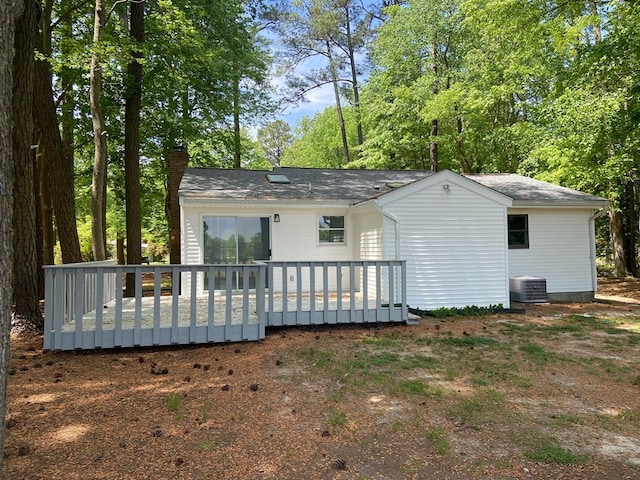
[336, 292]
[85, 307]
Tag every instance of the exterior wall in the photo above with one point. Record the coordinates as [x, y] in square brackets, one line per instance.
[368, 234]
[293, 238]
[559, 251]
[454, 241]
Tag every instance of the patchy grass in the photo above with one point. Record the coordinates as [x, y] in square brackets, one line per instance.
[537, 353]
[337, 418]
[479, 409]
[469, 341]
[547, 450]
[484, 397]
[174, 402]
[439, 438]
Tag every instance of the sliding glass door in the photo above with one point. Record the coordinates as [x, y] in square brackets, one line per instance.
[235, 240]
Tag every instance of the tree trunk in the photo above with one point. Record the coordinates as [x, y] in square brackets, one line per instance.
[631, 234]
[597, 30]
[354, 76]
[58, 169]
[63, 174]
[44, 187]
[336, 93]
[27, 318]
[617, 241]
[99, 182]
[433, 143]
[39, 234]
[433, 146]
[46, 209]
[120, 249]
[465, 165]
[133, 84]
[8, 12]
[237, 142]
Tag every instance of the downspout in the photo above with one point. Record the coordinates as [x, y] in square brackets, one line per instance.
[396, 222]
[592, 247]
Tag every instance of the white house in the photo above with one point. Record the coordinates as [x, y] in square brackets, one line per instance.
[462, 237]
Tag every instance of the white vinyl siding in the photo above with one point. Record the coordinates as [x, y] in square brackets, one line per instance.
[293, 238]
[455, 245]
[191, 236]
[368, 229]
[559, 249]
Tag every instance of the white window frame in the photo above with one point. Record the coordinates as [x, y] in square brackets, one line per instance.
[320, 229]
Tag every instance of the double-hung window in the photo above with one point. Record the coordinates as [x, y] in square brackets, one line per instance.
[518, 231]
[331, 229]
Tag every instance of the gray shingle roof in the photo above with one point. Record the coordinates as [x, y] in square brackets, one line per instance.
[529, 191]
[355, 186]
[351, 186]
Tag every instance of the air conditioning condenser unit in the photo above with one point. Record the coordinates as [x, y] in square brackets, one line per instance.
[528, 289]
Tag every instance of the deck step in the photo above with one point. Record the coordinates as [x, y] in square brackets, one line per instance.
[413, 319]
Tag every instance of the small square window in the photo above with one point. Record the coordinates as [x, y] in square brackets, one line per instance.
[518, 226]
[331, 229]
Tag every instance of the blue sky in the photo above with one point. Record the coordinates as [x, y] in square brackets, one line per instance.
[317, 99]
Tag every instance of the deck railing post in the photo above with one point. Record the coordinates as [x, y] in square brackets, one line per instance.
[99, 303]
[260, 301]
[49, 306]
[403, 273]
[78, 313]
[365, 291]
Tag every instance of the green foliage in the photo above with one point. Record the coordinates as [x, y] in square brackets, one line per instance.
[318, 141]
[275, 138]
[204, 63]
[157, 246]
[468, 311]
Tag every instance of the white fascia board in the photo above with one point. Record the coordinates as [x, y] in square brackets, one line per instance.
[577, 204]
[449, 177]
[363, 207]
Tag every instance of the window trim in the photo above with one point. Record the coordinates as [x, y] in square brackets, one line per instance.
[320, 229]
[518, 246]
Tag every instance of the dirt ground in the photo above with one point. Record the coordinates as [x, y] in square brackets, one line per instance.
[471, 398]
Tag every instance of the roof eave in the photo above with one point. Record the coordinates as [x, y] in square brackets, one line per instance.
[560, 203]
[203, 200]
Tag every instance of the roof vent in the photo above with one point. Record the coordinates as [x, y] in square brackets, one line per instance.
[277, 178]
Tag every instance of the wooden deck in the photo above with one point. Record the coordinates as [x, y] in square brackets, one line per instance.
[85, 307]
